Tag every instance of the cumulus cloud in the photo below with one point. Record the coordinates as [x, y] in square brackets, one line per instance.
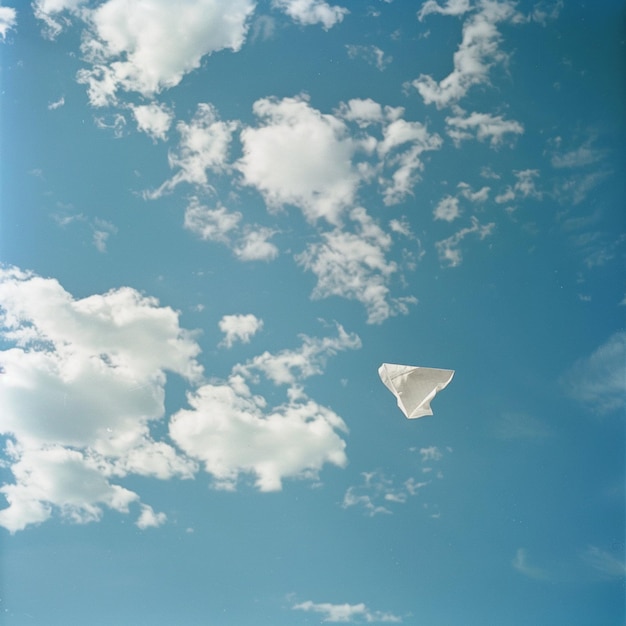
[137, 47]
[309, 12]
[599, 380]
[363, 111]
[449, 250]
[204, 145]
[81, 385]
[483, 126]
[255, 245]
[8, 21]
[347, 613]
[478, 51]
[299, 156]
[153, 119]
[231, 432]
[353, 265]
[149, 519]
[447, 209]
[239, 328]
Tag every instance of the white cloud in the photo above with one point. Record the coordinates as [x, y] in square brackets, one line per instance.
[452, 7]
[289, 366]
[54, 476]
[81, 384]
[524, 187]
[372, 54]
[153, 119]
[363, 111]
[231, 432]
[407, 161]
[250, 243]
[254, 245]
[347, 613]
[447, 209]
[299, 156]
[239, 328]
[51, 12]
[448, 249]
[477, 53]
[149, 519]
[56, 104]
[484, 125]
[599, 380]
[353, 266]
[474, 196]
[309, 12]
[204, 145]
[210, 224]
[138, 47]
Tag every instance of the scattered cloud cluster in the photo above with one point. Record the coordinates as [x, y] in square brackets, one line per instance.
[353, 265]
[80, 388]
[377, 493]
[249, 242]
[85, 380]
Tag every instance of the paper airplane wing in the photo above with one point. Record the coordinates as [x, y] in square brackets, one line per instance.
[414, 387]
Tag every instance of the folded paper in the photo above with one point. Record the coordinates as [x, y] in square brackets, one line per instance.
[414, 387]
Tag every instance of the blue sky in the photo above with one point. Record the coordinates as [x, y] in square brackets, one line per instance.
[218, 219]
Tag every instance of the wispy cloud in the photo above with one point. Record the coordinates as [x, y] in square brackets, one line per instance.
[607, 565]
[347, 613]
[378, 494]
[371, 54]
[522, 564]
[599, 380]
[449, 250]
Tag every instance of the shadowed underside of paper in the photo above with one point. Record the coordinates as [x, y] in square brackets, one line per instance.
[414, 387]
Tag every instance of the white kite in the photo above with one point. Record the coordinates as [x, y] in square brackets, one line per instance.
[414, 387]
